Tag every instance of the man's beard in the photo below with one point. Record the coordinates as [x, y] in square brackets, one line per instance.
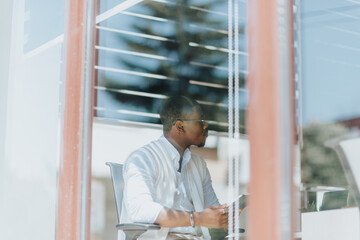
[205, 134]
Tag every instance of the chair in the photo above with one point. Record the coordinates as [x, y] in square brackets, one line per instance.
[131, 230]
[348, 151]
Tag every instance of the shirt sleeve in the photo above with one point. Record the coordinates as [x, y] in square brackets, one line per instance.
[139, 191]
[209, 193]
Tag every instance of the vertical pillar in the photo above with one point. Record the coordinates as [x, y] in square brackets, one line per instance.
[6, 11]
[270, 120]
[73, 220]
[6, 26]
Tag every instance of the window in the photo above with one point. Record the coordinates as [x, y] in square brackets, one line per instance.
[158, 48]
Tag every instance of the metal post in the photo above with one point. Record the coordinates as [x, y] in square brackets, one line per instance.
[270, 120]
[73, 220]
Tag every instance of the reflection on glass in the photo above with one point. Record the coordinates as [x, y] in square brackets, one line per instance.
[320, 165]
[330, 40]
[147, 52]
[155, 49]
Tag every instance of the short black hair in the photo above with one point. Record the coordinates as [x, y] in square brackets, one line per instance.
[176, 107]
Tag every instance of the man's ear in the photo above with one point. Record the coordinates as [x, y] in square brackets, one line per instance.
[179, 125]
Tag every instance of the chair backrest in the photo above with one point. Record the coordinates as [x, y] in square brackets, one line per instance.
[351, 163]
[116, 170]
[348, 150]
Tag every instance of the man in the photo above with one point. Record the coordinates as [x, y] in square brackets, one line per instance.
[167, 184]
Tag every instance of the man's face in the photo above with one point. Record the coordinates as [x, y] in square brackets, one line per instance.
[196, 130]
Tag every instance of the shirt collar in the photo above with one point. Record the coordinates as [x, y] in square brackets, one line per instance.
[174, 154]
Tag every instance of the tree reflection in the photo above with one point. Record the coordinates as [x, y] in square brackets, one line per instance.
[319, 164]
[188, 53]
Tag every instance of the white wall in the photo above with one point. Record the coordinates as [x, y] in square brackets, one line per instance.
[331, 225]
[114, 143]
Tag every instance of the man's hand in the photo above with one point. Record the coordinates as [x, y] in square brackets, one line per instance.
[212, 217]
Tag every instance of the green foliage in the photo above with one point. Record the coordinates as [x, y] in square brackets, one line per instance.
[311, 208]
[319, 164]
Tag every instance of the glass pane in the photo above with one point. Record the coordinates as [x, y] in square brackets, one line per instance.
[330, 50]
[30, 117]
[145, 53]
[155, 49]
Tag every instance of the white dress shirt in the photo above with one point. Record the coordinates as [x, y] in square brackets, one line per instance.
[152, 181]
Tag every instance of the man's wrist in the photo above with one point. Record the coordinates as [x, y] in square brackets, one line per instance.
[196, 216]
